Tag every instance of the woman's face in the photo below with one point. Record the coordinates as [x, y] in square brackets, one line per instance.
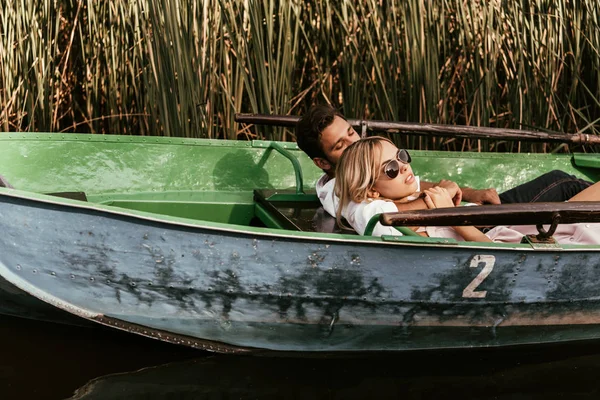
[399, 187]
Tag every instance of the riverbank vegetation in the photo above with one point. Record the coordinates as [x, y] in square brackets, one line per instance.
[185, 67]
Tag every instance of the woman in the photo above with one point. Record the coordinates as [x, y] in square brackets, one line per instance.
[373, 175]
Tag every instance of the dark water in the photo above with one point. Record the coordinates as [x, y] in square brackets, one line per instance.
[48, 361]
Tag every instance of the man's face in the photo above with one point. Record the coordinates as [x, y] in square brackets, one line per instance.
[334, 140]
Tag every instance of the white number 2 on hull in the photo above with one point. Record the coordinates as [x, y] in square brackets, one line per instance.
[488, 265]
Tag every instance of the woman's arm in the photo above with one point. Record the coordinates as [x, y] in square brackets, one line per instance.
[438, 197]
[478, 196]
[452, 188]
[471, 234]
[418, 204]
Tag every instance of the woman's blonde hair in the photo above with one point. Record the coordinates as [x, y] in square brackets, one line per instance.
[357, 171]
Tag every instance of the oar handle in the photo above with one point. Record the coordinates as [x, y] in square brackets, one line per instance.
[460, 131]
[503, 214]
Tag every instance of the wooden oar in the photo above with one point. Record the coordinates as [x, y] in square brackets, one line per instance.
[433, 129]
[536, 214]
[502, 214]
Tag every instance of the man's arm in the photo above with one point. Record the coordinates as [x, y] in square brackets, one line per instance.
[481, 196]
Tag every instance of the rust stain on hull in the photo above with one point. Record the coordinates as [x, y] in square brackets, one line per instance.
[173, 337]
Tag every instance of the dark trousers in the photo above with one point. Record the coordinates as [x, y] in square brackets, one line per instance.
[552, 186]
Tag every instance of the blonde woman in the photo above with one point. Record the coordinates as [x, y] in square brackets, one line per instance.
[373, 175]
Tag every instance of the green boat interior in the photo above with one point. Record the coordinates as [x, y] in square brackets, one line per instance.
[256, 183]
[272, 209]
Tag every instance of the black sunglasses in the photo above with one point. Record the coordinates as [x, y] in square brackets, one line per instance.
[391, 167]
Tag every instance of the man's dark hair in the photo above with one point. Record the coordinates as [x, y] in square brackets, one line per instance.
[310, 126]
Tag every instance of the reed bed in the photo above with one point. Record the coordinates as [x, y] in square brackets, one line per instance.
[185, 67]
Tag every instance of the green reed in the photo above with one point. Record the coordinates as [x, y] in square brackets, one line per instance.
[185, 67]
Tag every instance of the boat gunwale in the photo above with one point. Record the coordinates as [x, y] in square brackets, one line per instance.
[254, 144]
[277, 233]
[123, 139]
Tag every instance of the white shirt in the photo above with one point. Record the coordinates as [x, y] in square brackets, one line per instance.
[328, 199]
[358, 214]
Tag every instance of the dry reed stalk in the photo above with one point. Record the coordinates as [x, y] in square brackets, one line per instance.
[184, 67]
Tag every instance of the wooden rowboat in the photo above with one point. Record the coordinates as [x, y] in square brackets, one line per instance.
[221, 245]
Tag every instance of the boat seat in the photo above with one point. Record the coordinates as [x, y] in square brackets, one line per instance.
[299, 212]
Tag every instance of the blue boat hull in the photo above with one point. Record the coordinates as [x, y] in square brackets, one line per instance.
[233, 290]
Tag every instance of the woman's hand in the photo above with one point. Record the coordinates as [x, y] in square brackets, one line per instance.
[454, 191]
[438, 197]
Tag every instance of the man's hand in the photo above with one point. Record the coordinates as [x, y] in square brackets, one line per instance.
[455, 192]
[481, 196]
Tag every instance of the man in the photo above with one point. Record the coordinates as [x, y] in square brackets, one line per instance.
[323, 134]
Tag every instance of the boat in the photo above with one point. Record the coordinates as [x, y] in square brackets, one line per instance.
[222, 246]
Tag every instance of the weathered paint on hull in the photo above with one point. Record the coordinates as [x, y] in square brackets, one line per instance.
[248, 290]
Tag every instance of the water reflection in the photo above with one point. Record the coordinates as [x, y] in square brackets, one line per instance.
[46, 361]
[430, 377]
[49, 361]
